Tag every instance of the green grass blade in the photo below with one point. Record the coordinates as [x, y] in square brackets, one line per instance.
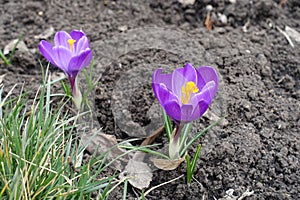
[200, 134]
[188, 169]
[15, 48]
[5, 60]
[196, 156]
[168, 124]
[125, 189]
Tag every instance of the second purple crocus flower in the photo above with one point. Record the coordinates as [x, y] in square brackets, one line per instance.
[186, 93]
[70, 53]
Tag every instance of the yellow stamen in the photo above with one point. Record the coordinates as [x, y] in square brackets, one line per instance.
[187, 91]
[71, 43]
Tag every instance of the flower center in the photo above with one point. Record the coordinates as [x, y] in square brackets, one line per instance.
[71, 43]
[187, 90]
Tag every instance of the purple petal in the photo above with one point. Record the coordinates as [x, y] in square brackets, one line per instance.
[181, 76]
[188, 72]
[80, 61]
[46, 50]
[186, 112]
[206, 74]
[172, 108]
[162, 94]
[61, 39]
[81, 45]
[207, 93]
[77, 34]
[62, 57]
[178, 80]
[199, 110]
[166, 79]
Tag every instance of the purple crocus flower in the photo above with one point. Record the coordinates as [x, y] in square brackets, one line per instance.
[70, 53]
[186, 93]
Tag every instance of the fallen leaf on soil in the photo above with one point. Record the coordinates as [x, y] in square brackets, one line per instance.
[103, 143]
[46, 34]
[138, 173]
[165, 164]
[21, 46]
[292, 33]
[208, 22]
[186, 2]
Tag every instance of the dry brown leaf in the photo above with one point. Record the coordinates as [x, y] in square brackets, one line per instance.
[152, 137]
[104, 142]
[138, 173]
[208, 22]
[165, 164]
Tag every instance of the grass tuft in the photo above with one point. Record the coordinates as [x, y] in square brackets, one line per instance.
[40, 156]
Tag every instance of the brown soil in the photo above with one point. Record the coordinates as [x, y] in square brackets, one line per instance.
[258, 149]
